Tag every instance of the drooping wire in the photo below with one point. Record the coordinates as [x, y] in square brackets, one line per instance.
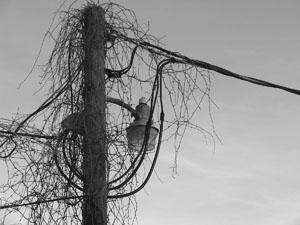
[142, 153]
[160, 67]
[143, 149]
[72, 168]
[55, 156]
[118, 73]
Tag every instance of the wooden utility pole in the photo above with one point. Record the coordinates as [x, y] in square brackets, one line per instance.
[94, 211]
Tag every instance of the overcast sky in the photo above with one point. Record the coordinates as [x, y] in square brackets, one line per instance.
[253, 176]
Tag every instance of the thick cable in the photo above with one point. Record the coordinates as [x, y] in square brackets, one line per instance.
[41, 202]
[159, 72]
[141, 154]
[193, 62]
[71, 167]
[118, 73]
[143, 150]
[55, 155]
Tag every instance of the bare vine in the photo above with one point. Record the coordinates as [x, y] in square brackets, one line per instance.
[43, 156]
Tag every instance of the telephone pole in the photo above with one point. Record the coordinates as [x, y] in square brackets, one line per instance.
[94, 211]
